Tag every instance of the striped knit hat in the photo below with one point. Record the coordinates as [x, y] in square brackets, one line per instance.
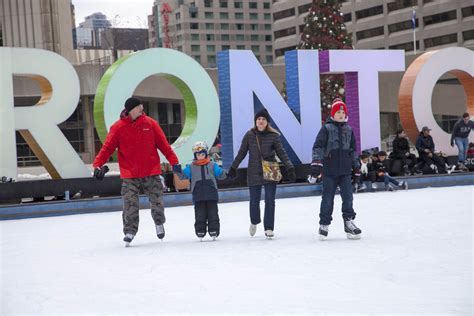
[338, 105]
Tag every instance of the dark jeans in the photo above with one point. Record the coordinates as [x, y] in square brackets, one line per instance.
[409, 161]
[207, 216]
[330, 184]
[255, 196]
[436, 160]
[388, 179]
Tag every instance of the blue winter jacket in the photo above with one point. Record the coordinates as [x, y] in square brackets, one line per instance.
[335, 147]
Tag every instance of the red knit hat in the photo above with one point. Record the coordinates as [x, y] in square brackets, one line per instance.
[338, 105]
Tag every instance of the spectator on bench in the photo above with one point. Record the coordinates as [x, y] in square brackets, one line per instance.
[401, 151]
[367, 173]
[426, 147]
[381, 173]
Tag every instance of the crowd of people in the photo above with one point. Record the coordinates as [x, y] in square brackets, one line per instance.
[137, 138]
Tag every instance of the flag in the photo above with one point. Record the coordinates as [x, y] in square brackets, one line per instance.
[413, 19]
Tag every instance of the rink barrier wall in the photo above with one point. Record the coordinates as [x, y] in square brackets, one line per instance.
[113, 204]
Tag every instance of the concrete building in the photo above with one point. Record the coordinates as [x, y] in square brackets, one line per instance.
[89, 32]
[201, 28]
[38, 24]
[124, 39]
[384, 24]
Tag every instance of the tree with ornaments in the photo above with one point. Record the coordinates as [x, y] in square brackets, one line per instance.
[324, 29]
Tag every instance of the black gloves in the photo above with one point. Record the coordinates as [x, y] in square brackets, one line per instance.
[177, 168]
[291, 175]
[356, 176]
[99, 173]
[232, 174]
[316, 168]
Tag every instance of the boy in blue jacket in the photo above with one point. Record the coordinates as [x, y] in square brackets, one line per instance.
[203, 174]
[335, 156]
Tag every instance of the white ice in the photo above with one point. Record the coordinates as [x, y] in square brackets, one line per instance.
[415, 257]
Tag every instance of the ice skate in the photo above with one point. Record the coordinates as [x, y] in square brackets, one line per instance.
[160, 231]
[403, 184]
[200, 235]
[323, 232]
[374, 186]
[361, 187]
[214, 235]
[252, 230]
[269, 234]
[128, 239]
[388, 187]
[406, 170]
[462, 167]
[352, 231]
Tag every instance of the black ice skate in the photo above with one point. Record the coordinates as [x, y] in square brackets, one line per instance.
[323, 232]
[201, 235]
[160, 231]
[352, 231]
[128, 239]
[214, 235]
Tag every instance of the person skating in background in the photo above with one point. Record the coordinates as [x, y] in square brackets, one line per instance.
[261, 142]
[426, 151]
[203, 174]
[460, 137]
[381, 172]
[334, 155]
[137, 138]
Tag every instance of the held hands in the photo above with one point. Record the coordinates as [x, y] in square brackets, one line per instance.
[316, 168]
[99, 173]
[291, 175]
[232, 173]
[177, 168]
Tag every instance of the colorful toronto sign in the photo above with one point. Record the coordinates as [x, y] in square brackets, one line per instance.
[244, 87]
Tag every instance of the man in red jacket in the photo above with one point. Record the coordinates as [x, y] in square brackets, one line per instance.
[137, 138]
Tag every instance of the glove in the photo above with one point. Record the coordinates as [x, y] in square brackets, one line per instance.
[177, 168]
[291, 175]
[356, 176]
[232, 174]
[357, 172]
[316, 168]
[99, 173]
[407, 154]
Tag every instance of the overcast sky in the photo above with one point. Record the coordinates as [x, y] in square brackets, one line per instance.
[133, 13]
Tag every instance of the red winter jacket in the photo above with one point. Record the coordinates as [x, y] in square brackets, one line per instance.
[137, 142]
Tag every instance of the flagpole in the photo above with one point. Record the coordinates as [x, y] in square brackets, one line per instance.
[413, 19]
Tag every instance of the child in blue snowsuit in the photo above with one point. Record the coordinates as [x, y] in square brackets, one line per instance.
[335, 156]
[203, 174]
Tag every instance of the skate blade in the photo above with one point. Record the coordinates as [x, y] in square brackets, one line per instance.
[127, 244]
[352, 236]
[323, 238]
[214, 238]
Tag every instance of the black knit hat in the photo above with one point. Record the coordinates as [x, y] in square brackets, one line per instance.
[262, 113]
[131, 103]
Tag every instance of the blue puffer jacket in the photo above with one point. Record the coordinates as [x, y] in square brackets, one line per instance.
[335, 147]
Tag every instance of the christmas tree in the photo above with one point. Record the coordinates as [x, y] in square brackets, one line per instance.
[324, 29]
